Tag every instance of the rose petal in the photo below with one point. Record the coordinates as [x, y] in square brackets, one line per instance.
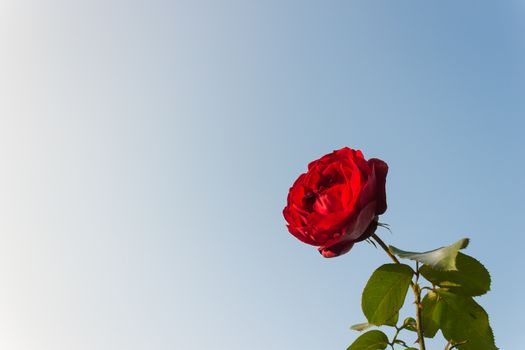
[363, 220]
[292, 217]
[363, 165]
[380, 170]
[301, 234]
[330, 223]
[330, 200]
[337, 249]
[362, 228]
[370, 230]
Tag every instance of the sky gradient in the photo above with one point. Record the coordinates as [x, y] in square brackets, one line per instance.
[148, 147]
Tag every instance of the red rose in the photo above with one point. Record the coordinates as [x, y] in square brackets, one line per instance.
[336, 203]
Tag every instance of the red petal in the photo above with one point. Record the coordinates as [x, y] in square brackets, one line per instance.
[330, 200]
[363, 220]
[330, 223]
[301, 234]
[336, 249]
[380, 169]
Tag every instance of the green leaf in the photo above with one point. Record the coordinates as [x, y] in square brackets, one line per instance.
[385, 293]
[471, 277]
[361, 326]
[442, 259]
[430, 314]
[371, 340]
[392, 321]
[409, 321]
[461, 318]
[410, 324]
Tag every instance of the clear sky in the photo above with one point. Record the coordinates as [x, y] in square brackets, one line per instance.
[147, 148]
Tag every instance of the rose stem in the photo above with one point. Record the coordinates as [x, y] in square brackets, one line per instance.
[415, 288]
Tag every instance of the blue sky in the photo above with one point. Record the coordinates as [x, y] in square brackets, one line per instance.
[148, 147]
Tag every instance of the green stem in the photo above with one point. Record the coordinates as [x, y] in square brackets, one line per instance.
[394, 340]
[417, 294]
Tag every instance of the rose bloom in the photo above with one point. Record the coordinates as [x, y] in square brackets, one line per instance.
[337, 201]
